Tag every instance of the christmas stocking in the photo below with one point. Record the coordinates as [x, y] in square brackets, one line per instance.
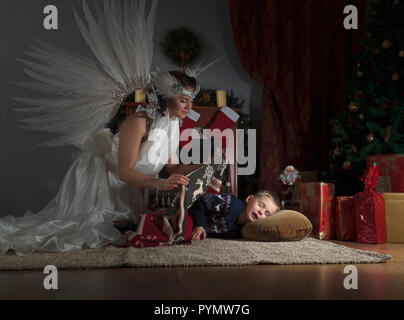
[226, 119]
[189, 123]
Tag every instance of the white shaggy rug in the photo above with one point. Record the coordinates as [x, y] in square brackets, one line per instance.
[211, 252]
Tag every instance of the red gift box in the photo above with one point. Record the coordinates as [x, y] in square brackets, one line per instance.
[370, 211]
[345, 228]
[316, 203]
[391, 177]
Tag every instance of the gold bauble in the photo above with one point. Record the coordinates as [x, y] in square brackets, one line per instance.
[386, 44]
[336, 152]
[361, 116]
[395, 77]
[401, 54]
[347, 165]
[360, 73]
[353, 106]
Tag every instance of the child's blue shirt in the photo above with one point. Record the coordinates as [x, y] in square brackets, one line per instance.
[217, 213]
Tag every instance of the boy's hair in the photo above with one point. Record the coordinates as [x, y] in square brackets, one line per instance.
[268, 194]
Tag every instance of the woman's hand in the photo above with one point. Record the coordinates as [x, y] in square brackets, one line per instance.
[174, 181]
[199, 233]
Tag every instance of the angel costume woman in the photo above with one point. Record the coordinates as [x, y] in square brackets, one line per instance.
[105, 184]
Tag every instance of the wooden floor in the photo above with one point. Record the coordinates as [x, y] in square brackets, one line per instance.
[263, 282]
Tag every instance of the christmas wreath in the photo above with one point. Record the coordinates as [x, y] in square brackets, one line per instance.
[181, 46]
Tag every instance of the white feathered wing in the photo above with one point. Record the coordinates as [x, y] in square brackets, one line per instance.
[87, 94]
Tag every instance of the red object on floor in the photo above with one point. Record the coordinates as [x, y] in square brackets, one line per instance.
[370, 211]
[345, 228]
[316, 203]
[153, 231]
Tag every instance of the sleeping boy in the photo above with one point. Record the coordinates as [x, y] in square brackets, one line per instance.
[223, 214]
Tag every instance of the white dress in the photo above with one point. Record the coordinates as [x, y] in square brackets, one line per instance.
[91, 196]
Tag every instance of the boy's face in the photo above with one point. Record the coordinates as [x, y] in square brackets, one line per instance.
[258, 208]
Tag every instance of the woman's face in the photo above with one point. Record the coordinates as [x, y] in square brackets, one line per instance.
[180, 106]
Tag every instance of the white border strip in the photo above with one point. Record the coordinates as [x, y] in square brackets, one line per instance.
[234, 116]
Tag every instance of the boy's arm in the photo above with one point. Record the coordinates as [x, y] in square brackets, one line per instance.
[199, 213]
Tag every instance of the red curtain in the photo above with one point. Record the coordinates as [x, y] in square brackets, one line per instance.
[301, 53]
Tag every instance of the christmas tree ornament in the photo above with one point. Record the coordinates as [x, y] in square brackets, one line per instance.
[396, 2]
[353, 106]
[359, 73]
[370, 138]
[337, 152]
[395, 77]
[361, 117]
[347, 165]
[401, 54]
[290, 176]
[376, 51]
[387, 44]
[354, 149]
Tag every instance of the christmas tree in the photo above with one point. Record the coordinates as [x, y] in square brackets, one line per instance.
[374, 120]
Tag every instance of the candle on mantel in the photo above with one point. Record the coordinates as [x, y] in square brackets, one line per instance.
[221, 98]
[140, 95]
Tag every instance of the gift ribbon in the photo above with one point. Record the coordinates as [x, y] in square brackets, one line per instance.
[371, 178]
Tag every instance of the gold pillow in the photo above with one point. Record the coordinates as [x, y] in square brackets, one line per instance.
[286, 225]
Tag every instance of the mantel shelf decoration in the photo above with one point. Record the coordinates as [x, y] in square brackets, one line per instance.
[181, 47]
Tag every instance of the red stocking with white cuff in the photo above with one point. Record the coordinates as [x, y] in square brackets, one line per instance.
[226, 119]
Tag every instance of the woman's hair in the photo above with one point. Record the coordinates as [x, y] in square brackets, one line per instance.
[184, 80]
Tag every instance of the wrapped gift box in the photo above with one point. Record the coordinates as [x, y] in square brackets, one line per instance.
[305, 176]
[394, 217]
[391, 172]
[316, 203]
[345, 219]
[370, 211]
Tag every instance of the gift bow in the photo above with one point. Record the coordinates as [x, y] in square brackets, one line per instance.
[372, 177]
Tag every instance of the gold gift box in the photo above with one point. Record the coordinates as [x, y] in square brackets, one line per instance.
[394, 217]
